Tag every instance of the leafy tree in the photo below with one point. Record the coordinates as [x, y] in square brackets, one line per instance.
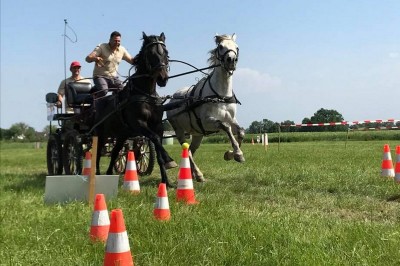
[325, 116]
[264, 126]
[21, 131]
[254, 127]
[3, 133]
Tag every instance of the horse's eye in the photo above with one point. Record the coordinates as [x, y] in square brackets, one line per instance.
[220, 47]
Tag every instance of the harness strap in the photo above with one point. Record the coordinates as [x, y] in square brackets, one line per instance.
[192, 104]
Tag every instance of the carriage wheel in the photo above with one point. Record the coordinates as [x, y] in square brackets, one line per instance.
[145, 155]
[120, 163]
[54, 159]
[72, 153]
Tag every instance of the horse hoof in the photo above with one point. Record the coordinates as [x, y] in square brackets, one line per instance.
[239, 158]
[228, 155]
[170, 165]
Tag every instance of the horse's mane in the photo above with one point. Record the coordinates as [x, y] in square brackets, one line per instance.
[139, 57]
[213, 53]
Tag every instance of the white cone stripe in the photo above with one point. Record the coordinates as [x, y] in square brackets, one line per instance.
[185, 184]
[388, 172]
[117, 243]
[185, 163]
[100, 218]
[132, 185]
[88, 164]
[387, 156]
[398, 158]
[162, 203]
[131, 165]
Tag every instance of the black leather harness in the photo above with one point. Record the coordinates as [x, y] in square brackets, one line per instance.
[193, 102]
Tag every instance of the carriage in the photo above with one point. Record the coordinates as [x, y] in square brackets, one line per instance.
[68, 144]
[131, 119]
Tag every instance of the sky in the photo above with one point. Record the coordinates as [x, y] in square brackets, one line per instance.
[296, 56]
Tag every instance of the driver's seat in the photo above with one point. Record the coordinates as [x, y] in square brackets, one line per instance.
[78, 93]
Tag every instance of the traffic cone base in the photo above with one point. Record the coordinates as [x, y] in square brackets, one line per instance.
[100, 226]
[186, 195]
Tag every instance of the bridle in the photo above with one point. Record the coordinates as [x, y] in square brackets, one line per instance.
[161, 49]
[221, 58]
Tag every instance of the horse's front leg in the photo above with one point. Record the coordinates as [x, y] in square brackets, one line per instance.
[237, 153]
[100, 145]
[194, 145]
[239, 132]
[161, 154]
[114, 154]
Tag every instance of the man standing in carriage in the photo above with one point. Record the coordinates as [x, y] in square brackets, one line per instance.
[107, 57]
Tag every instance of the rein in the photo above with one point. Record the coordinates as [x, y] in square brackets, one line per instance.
[192, 71]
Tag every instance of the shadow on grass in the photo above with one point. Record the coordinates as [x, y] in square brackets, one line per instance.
[33, 182]
[148, 181]
[395, 198]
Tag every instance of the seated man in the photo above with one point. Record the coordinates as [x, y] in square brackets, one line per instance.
[75, 69]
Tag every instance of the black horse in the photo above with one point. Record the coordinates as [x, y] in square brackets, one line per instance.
[137, 109]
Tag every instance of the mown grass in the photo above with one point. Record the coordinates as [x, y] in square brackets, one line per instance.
[308, 203]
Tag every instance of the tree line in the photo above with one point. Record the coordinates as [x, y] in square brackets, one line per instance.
[22, 132]
[320, 116]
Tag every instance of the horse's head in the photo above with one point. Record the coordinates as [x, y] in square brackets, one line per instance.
[226, 52]
[153, 58]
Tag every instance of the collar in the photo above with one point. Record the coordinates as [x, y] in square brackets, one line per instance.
[116, 49]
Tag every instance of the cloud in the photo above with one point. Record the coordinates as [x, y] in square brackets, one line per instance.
[394, 55]
[255, 81]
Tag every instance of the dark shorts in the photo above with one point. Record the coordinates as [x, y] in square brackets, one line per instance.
[102, 84]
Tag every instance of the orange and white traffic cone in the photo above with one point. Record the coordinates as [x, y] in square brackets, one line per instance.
[397, 166]
[87, 164]
[131, 181]
[161, 207]
[100, 220]
[118, 251]
[185, 191]
[387, 164]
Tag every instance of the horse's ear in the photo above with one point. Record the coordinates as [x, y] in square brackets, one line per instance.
[144, 35]
[162, 37]
[216, 38]
[234, 37]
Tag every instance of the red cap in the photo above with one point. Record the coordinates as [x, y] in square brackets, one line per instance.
[75, 64]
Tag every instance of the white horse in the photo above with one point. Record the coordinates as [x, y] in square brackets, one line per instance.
[210, 105]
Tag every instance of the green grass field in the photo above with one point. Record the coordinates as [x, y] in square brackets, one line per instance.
[308, 203]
